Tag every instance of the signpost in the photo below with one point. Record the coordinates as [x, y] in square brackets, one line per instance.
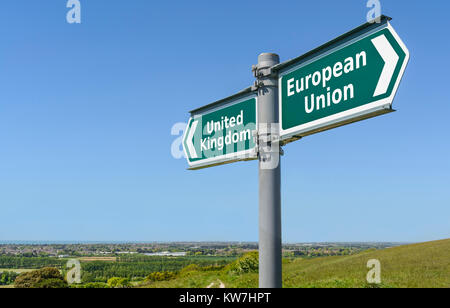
[222, 132]
[354, 78]
[349, 79]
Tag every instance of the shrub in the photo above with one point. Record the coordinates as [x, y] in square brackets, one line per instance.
[189, 270]
[44, 278]
[7, 278]
[248, 263]
[52, 283]
[118, 283]
[161, 276]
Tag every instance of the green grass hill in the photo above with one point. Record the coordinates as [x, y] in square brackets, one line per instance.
[424, 265]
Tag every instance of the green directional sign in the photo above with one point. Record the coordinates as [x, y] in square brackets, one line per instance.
[222, 133]
[346, 82]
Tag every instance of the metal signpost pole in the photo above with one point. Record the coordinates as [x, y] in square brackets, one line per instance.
[351, 78]
[269, 173]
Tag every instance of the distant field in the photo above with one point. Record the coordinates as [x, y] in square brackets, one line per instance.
[141, 266]
[93, 259]
[19, 271]
[425, 265]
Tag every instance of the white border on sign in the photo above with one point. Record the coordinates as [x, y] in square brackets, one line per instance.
[348, 114]
[232, 157]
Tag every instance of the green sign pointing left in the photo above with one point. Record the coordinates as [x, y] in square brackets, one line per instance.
[221, 134]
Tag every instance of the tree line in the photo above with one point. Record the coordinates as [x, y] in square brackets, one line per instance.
[99, 271]
[31, 263]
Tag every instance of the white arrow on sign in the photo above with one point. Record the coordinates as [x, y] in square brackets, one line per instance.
[390, 58]
[190, 144]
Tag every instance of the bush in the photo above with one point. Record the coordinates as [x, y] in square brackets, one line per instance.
[44, 278]
[189, 270]
[248, 263]
[161, 276]
[7, 278]
[52, 283]
[119, 283]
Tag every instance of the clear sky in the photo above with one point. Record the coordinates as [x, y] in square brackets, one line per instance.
[86, 112]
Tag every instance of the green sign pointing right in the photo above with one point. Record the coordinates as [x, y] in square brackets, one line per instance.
[355, 80]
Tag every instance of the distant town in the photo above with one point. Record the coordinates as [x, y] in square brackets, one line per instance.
[178, 249]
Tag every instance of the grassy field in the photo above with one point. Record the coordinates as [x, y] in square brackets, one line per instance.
[419, 265]
[18, 270]
[412, 266]
[93, 259]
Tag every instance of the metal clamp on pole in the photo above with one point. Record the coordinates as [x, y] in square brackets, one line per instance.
[264, 75]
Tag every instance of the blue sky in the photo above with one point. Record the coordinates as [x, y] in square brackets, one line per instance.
[86, 112]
